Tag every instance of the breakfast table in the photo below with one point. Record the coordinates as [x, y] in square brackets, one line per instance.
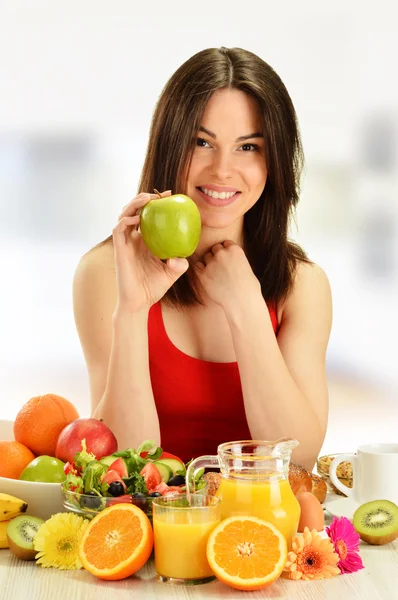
[24, 579]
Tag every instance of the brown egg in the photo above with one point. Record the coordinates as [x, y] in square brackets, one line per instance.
[311, 512]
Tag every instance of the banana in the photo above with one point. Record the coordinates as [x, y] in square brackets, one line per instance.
[3, 534]
[11, 507]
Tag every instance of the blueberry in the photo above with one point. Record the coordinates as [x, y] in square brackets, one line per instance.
[116, 488]
[155, 495]
[90, 500]
[176, 480]
[140, 500]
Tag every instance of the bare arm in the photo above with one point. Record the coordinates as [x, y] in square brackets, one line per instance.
[113, 290]
[115, 346]
[284, 380]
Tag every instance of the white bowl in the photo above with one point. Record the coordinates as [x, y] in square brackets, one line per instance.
[43, 499]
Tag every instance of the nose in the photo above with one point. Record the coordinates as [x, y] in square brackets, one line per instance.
[222, 165]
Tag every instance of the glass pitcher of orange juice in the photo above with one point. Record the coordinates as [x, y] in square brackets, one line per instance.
[254, 481]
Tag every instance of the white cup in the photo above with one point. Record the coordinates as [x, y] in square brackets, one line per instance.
[375, 473]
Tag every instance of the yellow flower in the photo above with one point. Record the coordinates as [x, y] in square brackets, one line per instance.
[312, 557]
[57, 541]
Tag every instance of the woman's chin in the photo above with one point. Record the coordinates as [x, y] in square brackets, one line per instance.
[212, 222]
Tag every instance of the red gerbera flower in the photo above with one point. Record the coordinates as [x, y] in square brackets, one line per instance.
[346, 544]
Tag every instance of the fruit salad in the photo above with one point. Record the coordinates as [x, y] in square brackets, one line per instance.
[132, 475]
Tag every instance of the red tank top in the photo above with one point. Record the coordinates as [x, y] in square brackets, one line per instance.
[199, 403]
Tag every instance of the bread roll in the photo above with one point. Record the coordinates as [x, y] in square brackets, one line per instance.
[302, 481]
[213, 481]
[299, 479]
[319, 488]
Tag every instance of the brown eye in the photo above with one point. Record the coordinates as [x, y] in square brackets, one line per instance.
[201, 142]
[250, 147]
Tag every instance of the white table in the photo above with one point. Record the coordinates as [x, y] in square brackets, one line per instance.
[21, 580]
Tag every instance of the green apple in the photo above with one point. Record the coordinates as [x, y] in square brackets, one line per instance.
[45, 469]
[171, 226]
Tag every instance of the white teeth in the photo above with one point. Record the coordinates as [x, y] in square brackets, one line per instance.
[220, 195]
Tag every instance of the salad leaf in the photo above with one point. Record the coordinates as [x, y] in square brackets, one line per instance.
[135, 462]
[200, 484]
[135, 483]
[154, 454]
[73, 483]
[199, 474]
[83, 457]
[93, 471]
[92, 477]
[146, 446]
[183, 471]
[124, 453]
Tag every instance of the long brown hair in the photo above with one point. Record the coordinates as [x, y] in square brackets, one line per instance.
[175, 124]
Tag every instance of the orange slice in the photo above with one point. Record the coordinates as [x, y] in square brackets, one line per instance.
[117, 542]
[246, 553]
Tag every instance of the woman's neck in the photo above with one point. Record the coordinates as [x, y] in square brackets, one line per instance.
[210, 237]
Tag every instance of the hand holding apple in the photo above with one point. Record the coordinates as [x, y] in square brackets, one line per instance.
[142, 278]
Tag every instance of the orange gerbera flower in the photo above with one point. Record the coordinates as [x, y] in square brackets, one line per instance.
[312, 557]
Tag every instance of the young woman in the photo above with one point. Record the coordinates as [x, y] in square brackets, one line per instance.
[231, 343]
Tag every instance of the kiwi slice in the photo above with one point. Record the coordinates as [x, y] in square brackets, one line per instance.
[20, 534]
[377, 522]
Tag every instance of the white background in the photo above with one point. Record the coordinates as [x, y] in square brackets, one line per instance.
[78, 85]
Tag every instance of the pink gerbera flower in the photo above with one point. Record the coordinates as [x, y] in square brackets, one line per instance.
[346, 544]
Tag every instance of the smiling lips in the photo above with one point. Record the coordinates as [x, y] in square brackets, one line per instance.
[217, 195]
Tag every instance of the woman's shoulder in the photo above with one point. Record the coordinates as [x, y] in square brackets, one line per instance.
[309, 275]
[95, 269]
[310, 289]
[98, 258]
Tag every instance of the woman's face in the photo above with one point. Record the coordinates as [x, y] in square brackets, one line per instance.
[228, 171]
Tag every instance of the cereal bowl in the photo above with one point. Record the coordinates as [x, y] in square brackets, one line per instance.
[43, 499]
[344, 472]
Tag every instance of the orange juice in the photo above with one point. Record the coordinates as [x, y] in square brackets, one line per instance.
[271, 500]
[180, 543]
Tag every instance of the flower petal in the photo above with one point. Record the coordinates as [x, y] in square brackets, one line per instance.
[295, 575]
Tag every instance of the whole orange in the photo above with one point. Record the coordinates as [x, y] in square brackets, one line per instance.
[41, 420]
[13, 459]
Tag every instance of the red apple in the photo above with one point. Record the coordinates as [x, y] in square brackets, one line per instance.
[100, 440]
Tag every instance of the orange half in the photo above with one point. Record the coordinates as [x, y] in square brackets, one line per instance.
[117, 542]
[246, 553]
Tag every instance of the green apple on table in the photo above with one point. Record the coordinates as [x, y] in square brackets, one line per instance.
[47, 469]
[171, 226]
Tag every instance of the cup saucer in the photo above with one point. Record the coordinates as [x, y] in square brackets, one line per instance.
[342, 507]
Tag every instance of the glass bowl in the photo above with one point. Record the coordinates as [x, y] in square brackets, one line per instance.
[344, 472]
[88, 506]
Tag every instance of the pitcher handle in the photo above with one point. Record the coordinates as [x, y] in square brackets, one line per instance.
[199, 463]
[333, 473]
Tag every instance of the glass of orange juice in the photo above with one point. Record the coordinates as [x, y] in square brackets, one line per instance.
[181, 526]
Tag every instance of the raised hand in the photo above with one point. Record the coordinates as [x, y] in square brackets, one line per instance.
[226, 275]
[142, 278]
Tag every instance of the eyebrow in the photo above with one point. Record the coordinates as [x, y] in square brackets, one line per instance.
[242, 138]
